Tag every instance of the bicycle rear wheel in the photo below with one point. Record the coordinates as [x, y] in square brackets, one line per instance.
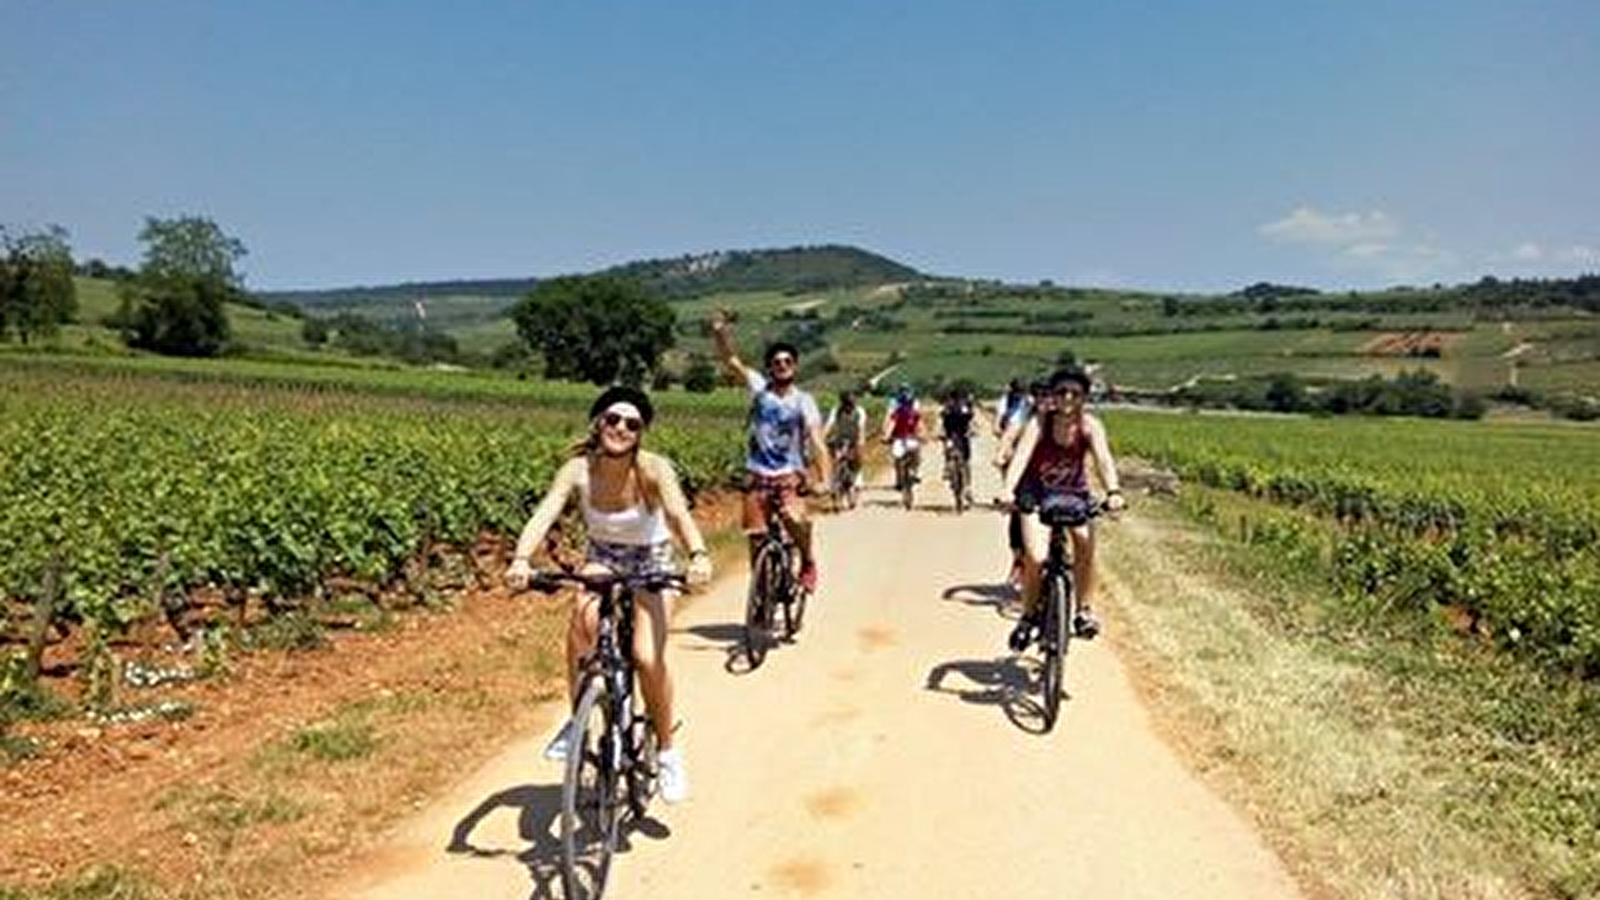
[1053, 636]
[592, 796]
[957, 475]
[765, 581]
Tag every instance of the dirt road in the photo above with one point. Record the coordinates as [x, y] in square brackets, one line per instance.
[890, 752]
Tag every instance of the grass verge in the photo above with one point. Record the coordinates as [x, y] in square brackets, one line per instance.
[1385, 754]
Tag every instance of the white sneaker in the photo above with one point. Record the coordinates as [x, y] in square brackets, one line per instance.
[561, 744]
[674, 776]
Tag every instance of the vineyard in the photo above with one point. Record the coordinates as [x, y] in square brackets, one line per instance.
[135, 496]
[1498, 526]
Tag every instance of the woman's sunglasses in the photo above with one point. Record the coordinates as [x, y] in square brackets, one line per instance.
[633, 424]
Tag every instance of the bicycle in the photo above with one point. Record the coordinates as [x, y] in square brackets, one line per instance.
[611, 768]
[907, 460]
[845, 469]
[1059, 610]
[774, 581]
[958, 470]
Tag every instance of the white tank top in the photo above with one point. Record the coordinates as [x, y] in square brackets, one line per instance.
[637, 526]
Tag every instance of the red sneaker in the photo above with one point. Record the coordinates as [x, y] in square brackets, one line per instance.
[808, 577]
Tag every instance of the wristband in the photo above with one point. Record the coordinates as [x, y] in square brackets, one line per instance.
[693, 554]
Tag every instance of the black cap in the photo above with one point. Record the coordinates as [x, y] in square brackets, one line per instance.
[621, 393]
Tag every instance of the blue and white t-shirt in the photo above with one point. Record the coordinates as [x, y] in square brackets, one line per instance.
[778, 425]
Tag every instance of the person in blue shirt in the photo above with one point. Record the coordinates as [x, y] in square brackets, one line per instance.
[785, 441]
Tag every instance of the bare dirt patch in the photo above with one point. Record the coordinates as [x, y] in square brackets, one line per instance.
[1428, 344]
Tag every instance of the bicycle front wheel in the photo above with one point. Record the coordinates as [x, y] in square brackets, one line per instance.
[592, 796]
[1053, 637]
[958, 482]
[766, 580]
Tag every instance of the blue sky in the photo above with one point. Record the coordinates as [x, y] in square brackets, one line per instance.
[1143, 144]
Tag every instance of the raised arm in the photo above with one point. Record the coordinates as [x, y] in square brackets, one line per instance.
[722, 335]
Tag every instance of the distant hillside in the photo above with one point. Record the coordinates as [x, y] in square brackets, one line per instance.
[399, 295]
[796, 270]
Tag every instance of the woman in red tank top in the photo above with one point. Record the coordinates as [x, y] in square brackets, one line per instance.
[1054, 448]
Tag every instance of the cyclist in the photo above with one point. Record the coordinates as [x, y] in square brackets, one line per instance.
[784, 424]
[633, 507]
[1053, 448]
[1014, 406]
[844, 429]
[902, 431]
[955, 425]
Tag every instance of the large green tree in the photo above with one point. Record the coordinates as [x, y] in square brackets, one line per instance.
[175, 305]
[596, 328]
[37, 293]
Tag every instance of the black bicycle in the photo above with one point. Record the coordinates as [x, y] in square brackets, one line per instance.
[1059, 602]
[958, 469]
[611, 759]
[775, 588]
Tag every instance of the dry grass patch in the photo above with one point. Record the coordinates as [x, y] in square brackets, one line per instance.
[1315, 747]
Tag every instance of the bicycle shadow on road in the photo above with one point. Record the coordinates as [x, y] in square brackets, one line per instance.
[727, 637]
[538, 809]
[1009, 682]
[1002, 597]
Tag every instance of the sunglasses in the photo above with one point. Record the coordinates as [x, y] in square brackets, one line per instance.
[632, 423]
[782, 361]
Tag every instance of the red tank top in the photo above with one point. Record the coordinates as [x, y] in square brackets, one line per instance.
[1054, 467]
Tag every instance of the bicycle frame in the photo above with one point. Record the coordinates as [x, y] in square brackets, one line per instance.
[772, 559]
[618, 754]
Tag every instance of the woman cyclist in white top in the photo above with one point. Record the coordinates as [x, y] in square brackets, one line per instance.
[633, 506]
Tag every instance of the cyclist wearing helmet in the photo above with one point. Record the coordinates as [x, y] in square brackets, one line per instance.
[1053, 448]
[902, 431]
[955, 427]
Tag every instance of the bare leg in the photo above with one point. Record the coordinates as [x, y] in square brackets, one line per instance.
[582, 631]
[1083, 566]
[650, 659]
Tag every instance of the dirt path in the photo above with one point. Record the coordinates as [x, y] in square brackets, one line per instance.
[889, 753]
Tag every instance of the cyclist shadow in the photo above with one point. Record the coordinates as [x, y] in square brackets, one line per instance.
[1002, 597]
[727, 637]
[538, 810]
[1009, 682]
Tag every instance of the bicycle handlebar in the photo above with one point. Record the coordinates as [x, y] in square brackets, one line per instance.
[600, 582]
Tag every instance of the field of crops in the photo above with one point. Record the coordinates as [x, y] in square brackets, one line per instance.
[126, 488]
[1501, 522]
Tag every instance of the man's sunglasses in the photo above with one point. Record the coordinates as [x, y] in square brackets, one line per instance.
[632, 423]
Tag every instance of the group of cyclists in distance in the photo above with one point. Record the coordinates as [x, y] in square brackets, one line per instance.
[635, 511]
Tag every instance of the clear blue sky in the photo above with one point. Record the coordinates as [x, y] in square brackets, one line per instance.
[1198, 146]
